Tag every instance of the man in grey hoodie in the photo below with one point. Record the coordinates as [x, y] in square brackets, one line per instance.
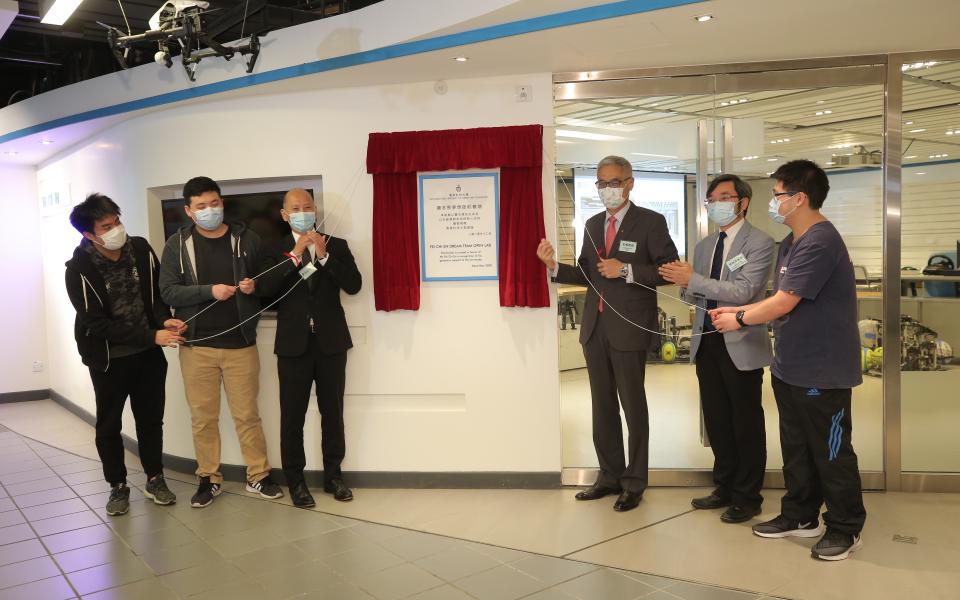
[205, 275]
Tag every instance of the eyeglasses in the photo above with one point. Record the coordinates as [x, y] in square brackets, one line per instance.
[777, 195]
[722, 198]
[614, 183]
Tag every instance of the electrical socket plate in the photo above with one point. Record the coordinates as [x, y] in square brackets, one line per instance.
[37, 366]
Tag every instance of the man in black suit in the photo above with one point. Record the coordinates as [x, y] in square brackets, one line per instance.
[624, 246]
[312, 341]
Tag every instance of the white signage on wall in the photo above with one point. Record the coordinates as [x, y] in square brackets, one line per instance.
[54, 196]
[459, 225]
[663, 193]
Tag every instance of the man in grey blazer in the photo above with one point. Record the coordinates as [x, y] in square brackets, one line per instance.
[618, 263]
[730, 268]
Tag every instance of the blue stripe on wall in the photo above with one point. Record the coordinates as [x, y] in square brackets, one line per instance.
[473, 36]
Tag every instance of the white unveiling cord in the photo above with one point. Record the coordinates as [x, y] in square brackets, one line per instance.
[354, 182]
[590, 281]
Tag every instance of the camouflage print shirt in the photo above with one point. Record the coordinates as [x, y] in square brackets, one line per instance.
[123, 287]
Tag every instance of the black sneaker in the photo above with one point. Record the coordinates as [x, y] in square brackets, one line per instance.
[266, 488]
[119, 502]
[206, 492]
[836, 546]
[157, 490]
[782, 527]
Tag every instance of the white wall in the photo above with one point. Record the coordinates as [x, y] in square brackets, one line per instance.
[461, 385]
[21, 302]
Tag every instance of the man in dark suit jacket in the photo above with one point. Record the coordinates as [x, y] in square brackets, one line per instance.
[624, 247]
[312, 341]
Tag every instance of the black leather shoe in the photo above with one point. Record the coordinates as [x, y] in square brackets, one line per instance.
[627, 501]
[339, 490]
[739, 514]
[710, 502]
[301, 496]
[595, 492]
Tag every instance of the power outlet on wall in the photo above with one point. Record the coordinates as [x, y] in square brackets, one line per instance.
[524, 93]
[37, 366]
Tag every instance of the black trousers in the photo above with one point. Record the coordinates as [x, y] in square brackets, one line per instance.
[733, 416]
[819, 464]
[143, 377]
[297, 376]
[616, 379]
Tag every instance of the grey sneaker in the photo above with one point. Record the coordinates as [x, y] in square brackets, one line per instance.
[206, 492]
[157, 490]
[836, 546]
[266, 488]
[119, 502]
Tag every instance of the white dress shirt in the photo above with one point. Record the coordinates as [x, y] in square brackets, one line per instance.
[312, 248]
[727, 244]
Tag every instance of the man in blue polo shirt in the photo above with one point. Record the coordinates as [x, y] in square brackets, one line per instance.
[816, 364]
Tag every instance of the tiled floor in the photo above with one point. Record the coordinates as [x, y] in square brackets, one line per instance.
[56, 541]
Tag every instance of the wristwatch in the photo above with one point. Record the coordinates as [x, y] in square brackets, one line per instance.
[740, 318]
[624, 271]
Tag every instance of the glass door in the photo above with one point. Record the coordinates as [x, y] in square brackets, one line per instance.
[679, 132]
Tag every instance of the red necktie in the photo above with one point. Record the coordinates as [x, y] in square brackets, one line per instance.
[608, 242]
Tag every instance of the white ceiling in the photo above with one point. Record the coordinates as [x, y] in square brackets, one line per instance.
[850, 124]
[742, 31]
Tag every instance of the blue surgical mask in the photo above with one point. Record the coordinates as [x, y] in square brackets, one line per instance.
[209, 218]
[722, 213]
[302, 222]
[774, 210]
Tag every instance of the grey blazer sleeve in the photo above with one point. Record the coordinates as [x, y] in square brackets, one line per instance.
[746, 283]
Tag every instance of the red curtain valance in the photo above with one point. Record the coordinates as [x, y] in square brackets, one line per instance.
[455, 149]
[394, 159]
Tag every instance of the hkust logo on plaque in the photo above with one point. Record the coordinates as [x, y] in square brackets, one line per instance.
[459, 225]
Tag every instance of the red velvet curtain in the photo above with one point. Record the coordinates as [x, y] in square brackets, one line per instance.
[396, 259]
[394, 160]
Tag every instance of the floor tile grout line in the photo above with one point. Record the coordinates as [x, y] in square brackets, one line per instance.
[617, 537]
[114, 532]
[40, 539]
[565, 557]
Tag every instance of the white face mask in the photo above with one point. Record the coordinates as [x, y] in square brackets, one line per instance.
[611, 197]
[114, 239]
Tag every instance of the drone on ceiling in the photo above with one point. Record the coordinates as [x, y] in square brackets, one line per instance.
[180, 23]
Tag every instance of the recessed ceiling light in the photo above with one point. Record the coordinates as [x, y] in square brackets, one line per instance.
[619, 123]
[772, 159]
[909, 123]
[830, 162]
[703, 18]
[917, 130]
[461, 58]
[657, 155]
[911, 156]
[46, 142]
[919, 173]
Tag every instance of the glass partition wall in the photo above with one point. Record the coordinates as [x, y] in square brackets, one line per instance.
[680, 128]
[930, 275]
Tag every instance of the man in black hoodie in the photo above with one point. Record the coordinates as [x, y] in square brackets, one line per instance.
[121, 323]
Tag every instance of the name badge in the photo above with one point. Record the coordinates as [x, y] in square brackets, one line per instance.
[307, 270]
[626, 246]
[736, 262]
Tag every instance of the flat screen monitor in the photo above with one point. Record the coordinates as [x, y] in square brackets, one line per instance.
[260, 211]
[664, 193]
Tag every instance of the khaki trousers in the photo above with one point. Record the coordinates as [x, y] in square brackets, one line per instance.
[203, 370]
